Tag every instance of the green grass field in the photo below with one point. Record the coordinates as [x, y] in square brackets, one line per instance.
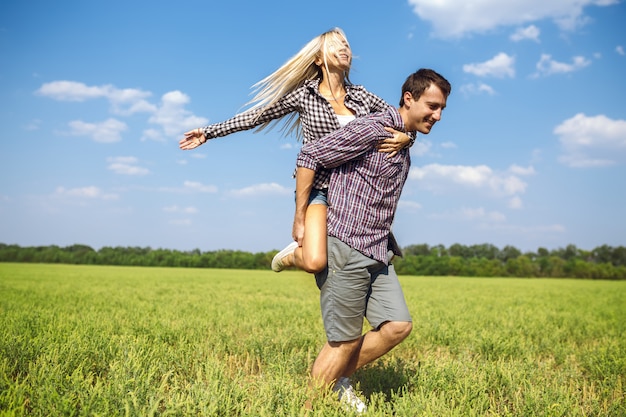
[113, 341]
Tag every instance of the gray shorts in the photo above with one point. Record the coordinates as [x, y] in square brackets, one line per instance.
[354, 286]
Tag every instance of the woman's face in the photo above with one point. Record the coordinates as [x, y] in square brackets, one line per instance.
[337, 53]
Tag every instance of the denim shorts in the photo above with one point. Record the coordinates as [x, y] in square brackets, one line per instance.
[319, 196]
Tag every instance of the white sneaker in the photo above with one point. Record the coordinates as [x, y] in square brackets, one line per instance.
[277, 262]
[348, 397]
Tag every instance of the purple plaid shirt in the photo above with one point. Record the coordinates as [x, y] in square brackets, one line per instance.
[365, 185]
[317, 116]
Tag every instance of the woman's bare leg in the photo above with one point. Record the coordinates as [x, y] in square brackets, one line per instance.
[311, 256]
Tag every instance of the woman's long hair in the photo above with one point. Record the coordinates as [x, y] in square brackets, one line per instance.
[293, 74]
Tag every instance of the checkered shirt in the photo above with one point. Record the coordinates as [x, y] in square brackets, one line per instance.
[365, 184]
[317, 116]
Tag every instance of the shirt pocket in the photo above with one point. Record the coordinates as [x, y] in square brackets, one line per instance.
[384, 166]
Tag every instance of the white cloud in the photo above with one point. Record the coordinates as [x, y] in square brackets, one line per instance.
[190, 187]
[518, 170]
[409, 205]
[448, 145]
[180, 222]
[471, 214]
[619, 49]
[547, 66]
[438, 178]
[515, 203]
[33, 125]
[261, 189]
[198, 187]
[108, 131]
[531, 32]
[123, 101]
[172, 117]
[126, 165]
[591, 141]
[536, 156]
[152, 134]
[184, 210]
[482, 214]
[421, 147]
[90, 192]
[500, 66]
[456, 18]
[72, 91]
[169, 115]
[474, 89]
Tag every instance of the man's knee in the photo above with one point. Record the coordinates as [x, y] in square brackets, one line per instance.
[397, 331]
[346, 346]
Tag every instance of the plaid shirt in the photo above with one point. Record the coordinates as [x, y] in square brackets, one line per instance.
[317, 116]
[365, 184]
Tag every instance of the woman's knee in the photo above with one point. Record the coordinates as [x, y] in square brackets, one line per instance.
[314, 263]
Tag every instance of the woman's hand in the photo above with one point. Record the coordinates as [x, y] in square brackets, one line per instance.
[392, 145]
[192, 139]
[298, 230]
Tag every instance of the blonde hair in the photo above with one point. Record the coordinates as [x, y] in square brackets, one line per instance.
[291, 75]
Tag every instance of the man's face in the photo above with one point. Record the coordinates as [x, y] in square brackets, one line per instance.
[426, 111]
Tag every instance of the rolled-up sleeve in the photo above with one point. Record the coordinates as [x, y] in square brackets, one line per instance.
[306, 161]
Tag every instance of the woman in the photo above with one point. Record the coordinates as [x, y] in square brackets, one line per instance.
[314, 91]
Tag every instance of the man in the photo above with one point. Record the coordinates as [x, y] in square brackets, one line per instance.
[364, 190]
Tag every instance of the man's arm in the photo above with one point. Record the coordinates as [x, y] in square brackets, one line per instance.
[343, 145]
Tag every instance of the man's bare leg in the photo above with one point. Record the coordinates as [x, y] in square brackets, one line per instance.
[376, 343]
[332, 361]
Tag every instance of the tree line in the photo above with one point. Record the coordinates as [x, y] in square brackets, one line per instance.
[483, 260]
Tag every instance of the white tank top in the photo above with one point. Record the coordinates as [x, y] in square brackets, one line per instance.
[345, 119]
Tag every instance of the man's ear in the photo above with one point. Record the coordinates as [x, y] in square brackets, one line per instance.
[408, 99]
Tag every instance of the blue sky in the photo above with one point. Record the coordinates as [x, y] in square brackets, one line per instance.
[530, 152]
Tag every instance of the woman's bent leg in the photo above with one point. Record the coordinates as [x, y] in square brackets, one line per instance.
[311, 257]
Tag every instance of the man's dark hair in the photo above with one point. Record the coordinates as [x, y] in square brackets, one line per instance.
[420, 80]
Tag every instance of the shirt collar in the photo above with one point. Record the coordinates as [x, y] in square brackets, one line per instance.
[351, 89]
